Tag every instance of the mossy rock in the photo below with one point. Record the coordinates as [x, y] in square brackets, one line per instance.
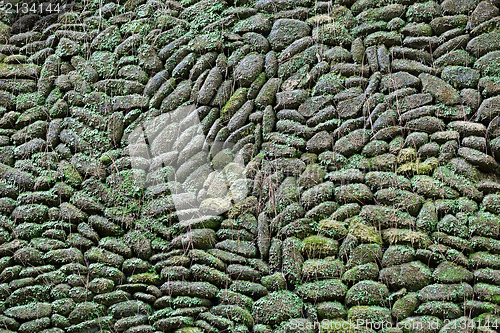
[199, 238]
[277, 307]
[332, 228]
[363, 254]
[364, 233]
[325, 290]
[30, 311]
[235, 102]
[210, 275]
[439, 309]
[251, 289]
[86, 311]
[192, 289]
[328, 268]
[274, 282]
[328, 84]
[319, 247]
[421, 324]
[445, 292]
[317, 194]
[405, 306]
[370, 315]
[412, 276]
[285, 31]
[367, 293]
[397, 255]
[337, 326]
[400, 199]
[312, 175]
[359, 273]
[235, 312]
[354, 193]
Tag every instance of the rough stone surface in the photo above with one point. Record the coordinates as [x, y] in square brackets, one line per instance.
[250, 166]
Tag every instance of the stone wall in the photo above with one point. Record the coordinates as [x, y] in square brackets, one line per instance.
[250, 166]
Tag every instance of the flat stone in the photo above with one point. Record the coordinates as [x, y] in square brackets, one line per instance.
[461, 77]
[285, 31]
[442, 91]
[482, 160]
[484, 43]
[484, 11]
[248, 69]
[412, 276]
[395, 81]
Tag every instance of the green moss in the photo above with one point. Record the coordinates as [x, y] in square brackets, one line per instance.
[364, 233]
[319, 246]
[274, 282]
[147, 278]
[331, 228]
[234, 103]
[277, 307]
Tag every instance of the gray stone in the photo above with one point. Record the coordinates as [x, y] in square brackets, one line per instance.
[286, 31]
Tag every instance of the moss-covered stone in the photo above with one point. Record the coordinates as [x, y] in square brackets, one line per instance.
[325, 290]
[412, 276]
[405, 306]
[367, 293]
[319, 247]
[277, 307]
[315, 269]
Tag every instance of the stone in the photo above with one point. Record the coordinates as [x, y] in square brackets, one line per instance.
[277, 307]
[475, 157]
[457, 7]
[353, 193]
[350, 108]
[30, 311]
[319, 247]
[286, 31]
[489, 109]
[449, 272]
[484, 11]
[395, 81]
[423, 12]
[405, 306]
[442, 91]
[488, 64]
[370, 315]
[330, 83]
[483, 44]
[461, 77]
[332, 34]
[248, 69]
[445, 292]
[291, 99]
[324, 290]
[413, 276]
[191, 289]
[367, 293]
[352, 143]
[107, 39]
[256, 23]
[67, 47]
